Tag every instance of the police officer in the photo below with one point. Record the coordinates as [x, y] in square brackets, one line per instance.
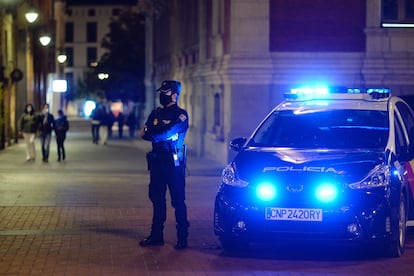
[166, 128]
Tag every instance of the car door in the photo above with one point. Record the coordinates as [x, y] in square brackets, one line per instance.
[405, 117]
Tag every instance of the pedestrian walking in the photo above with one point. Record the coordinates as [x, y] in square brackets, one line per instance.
[166, 128]
[61, 127]
[47, 124]
[121, 120]
[95, 124]
[28, 125]
[131, 123]
[106, 124]
[109, 120]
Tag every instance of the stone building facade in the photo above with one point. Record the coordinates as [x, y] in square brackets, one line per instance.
[236, 58]
[25, 64]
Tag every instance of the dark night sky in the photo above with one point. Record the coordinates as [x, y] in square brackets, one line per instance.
[100, 2]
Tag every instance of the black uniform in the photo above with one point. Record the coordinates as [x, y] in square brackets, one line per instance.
[166, 128]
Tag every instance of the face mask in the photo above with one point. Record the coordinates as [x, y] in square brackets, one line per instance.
[28, 110]
[165, 99]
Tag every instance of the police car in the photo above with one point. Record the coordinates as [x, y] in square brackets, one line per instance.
[325, 164]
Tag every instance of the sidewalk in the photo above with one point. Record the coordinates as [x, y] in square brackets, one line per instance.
[86, 215]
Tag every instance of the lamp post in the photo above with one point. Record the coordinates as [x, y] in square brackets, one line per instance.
[59, 85]
[31, 15]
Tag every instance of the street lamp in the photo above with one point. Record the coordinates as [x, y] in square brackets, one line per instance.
[103, 76]
[45, 39]
[61, 58]
[31, 15]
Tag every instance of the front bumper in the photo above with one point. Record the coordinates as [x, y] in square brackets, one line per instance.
[364, 219]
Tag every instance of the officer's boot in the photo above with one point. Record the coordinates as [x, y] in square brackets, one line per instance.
[155, 238]
[182, 234]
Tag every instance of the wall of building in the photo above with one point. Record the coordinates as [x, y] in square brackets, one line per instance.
[79, 16]
[248, 53]
[20, 51]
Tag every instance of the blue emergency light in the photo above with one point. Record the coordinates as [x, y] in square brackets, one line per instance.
[266, 191]
[326, 192]
[325, 92]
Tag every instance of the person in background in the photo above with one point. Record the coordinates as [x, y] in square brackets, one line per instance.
[131, 123]
[47, 124]
[166, 128]
[95, 124]
[61, 127]
[28, 125]
[110, 120]
[106, 124]
[121, 120]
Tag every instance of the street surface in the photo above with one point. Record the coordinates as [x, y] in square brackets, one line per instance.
[86, 215]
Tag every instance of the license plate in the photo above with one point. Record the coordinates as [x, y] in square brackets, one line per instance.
[295, 214]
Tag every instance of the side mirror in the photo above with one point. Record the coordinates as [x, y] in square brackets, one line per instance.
[238, 143]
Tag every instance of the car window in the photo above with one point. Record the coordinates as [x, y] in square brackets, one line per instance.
[400, 141]
[323, 129]
[408, 116]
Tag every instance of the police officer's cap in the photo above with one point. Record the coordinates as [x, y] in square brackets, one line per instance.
[170, 85]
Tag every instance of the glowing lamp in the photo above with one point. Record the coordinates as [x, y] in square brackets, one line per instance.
[59, 86]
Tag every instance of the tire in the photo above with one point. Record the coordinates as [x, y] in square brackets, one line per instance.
[397, 246]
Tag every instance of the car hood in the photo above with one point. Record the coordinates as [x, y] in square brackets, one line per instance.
[352, 165]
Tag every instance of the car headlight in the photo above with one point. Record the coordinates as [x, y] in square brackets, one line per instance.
[266, 191]
[229, 177]
[377, 177]
[326, 192]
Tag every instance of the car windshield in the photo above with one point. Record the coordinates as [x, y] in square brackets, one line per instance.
[323, 129]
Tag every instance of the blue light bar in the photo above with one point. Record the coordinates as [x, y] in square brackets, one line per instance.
[310, 91]
[324, 92]
[355, 90]
[379, 90]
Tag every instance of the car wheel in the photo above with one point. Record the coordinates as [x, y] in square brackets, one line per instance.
[396, 248]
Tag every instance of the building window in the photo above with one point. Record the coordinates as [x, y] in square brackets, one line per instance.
[116, 12]
[209, 28]
[69, 54]
[70, 81]
[91, 55]
[69, 32]
[91, 12]
[397, 11]
[91, 32]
